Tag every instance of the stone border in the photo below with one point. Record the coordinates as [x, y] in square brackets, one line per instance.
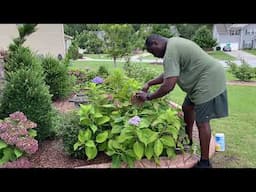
[185, 160]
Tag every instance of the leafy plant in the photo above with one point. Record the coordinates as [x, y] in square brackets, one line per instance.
[56, 77]
[243, 72]
[125, 132]
[31, 97]
[68, 131]
[203, 38]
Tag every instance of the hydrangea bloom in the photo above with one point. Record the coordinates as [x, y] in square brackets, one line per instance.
[22, 162]
[98, 80]
[14, 131]
[135, 120]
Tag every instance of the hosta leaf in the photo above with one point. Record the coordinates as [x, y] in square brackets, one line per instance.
[97, 115]
[116, 161]
[146, 136]
[170, 152]
[76, 145]
[94, 128]
[138, 149]
[90, 143]
[149, 151]
[100, 138]
[91, 152]
[158, 147]
[168, 141]
[116, 129]
[84, 135]
[102, 120]
[102, 146]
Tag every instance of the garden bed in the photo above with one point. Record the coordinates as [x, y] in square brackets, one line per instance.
[52, 155]
[186, 160]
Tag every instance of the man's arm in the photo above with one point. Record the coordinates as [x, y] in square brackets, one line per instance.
[156, 81]
[167, 86]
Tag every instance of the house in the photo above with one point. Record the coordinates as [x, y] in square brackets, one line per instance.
[239, 36]
[68, 41]
[47, 39]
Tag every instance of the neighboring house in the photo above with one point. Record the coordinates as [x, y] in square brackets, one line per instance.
[239, 36]
[68, 42]
[47, 39]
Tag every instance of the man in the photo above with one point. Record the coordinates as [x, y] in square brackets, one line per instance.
[199, 75]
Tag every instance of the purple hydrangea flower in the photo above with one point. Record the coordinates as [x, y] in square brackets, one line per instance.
[18, 116]
[135, 120]
[98, 80]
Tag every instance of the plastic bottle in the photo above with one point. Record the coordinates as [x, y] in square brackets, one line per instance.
[220, 142]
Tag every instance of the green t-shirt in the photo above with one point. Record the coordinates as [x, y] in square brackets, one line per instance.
[201, 76]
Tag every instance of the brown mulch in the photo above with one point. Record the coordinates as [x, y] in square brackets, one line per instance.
[51, 153]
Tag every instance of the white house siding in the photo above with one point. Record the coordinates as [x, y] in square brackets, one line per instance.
[249, 32]
[7, 33]
[48, 39]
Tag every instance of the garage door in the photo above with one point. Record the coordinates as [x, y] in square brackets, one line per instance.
[234, 46]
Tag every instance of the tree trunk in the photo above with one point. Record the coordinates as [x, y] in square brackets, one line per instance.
[115, 62]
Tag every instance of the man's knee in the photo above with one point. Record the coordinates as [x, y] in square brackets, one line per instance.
[203, 125]
[187, 108]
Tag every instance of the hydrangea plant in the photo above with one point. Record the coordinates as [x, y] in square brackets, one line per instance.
[17, 137]
[124, 131]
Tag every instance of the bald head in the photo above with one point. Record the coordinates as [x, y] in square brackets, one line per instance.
[156, 44]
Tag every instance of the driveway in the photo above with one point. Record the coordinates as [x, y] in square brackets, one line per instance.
[242, 55]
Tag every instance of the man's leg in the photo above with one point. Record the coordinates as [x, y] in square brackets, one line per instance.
[204, 130]
[189, 118]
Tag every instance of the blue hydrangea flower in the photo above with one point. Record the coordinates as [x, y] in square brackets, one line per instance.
[135, 120]
[98, 80]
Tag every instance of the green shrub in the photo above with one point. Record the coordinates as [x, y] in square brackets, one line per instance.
[57, 78]
[73, 52]
[26, 91]
[102, 71]
[21, 58]
[69, 131]
[243, 72]
[139, 73]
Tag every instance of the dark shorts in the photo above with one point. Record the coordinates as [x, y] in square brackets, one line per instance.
[215, 108]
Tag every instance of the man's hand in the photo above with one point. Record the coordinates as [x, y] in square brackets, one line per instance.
[142, 95]
[145, 87]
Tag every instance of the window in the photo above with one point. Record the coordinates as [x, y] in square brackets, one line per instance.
[232, 32]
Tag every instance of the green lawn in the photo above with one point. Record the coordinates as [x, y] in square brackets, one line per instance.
[239, 128]
[252, 51]
[98, 56]
[94, 65]
[149, 57]
[221, 55]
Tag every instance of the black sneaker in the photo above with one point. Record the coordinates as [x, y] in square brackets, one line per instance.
[201, 164]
